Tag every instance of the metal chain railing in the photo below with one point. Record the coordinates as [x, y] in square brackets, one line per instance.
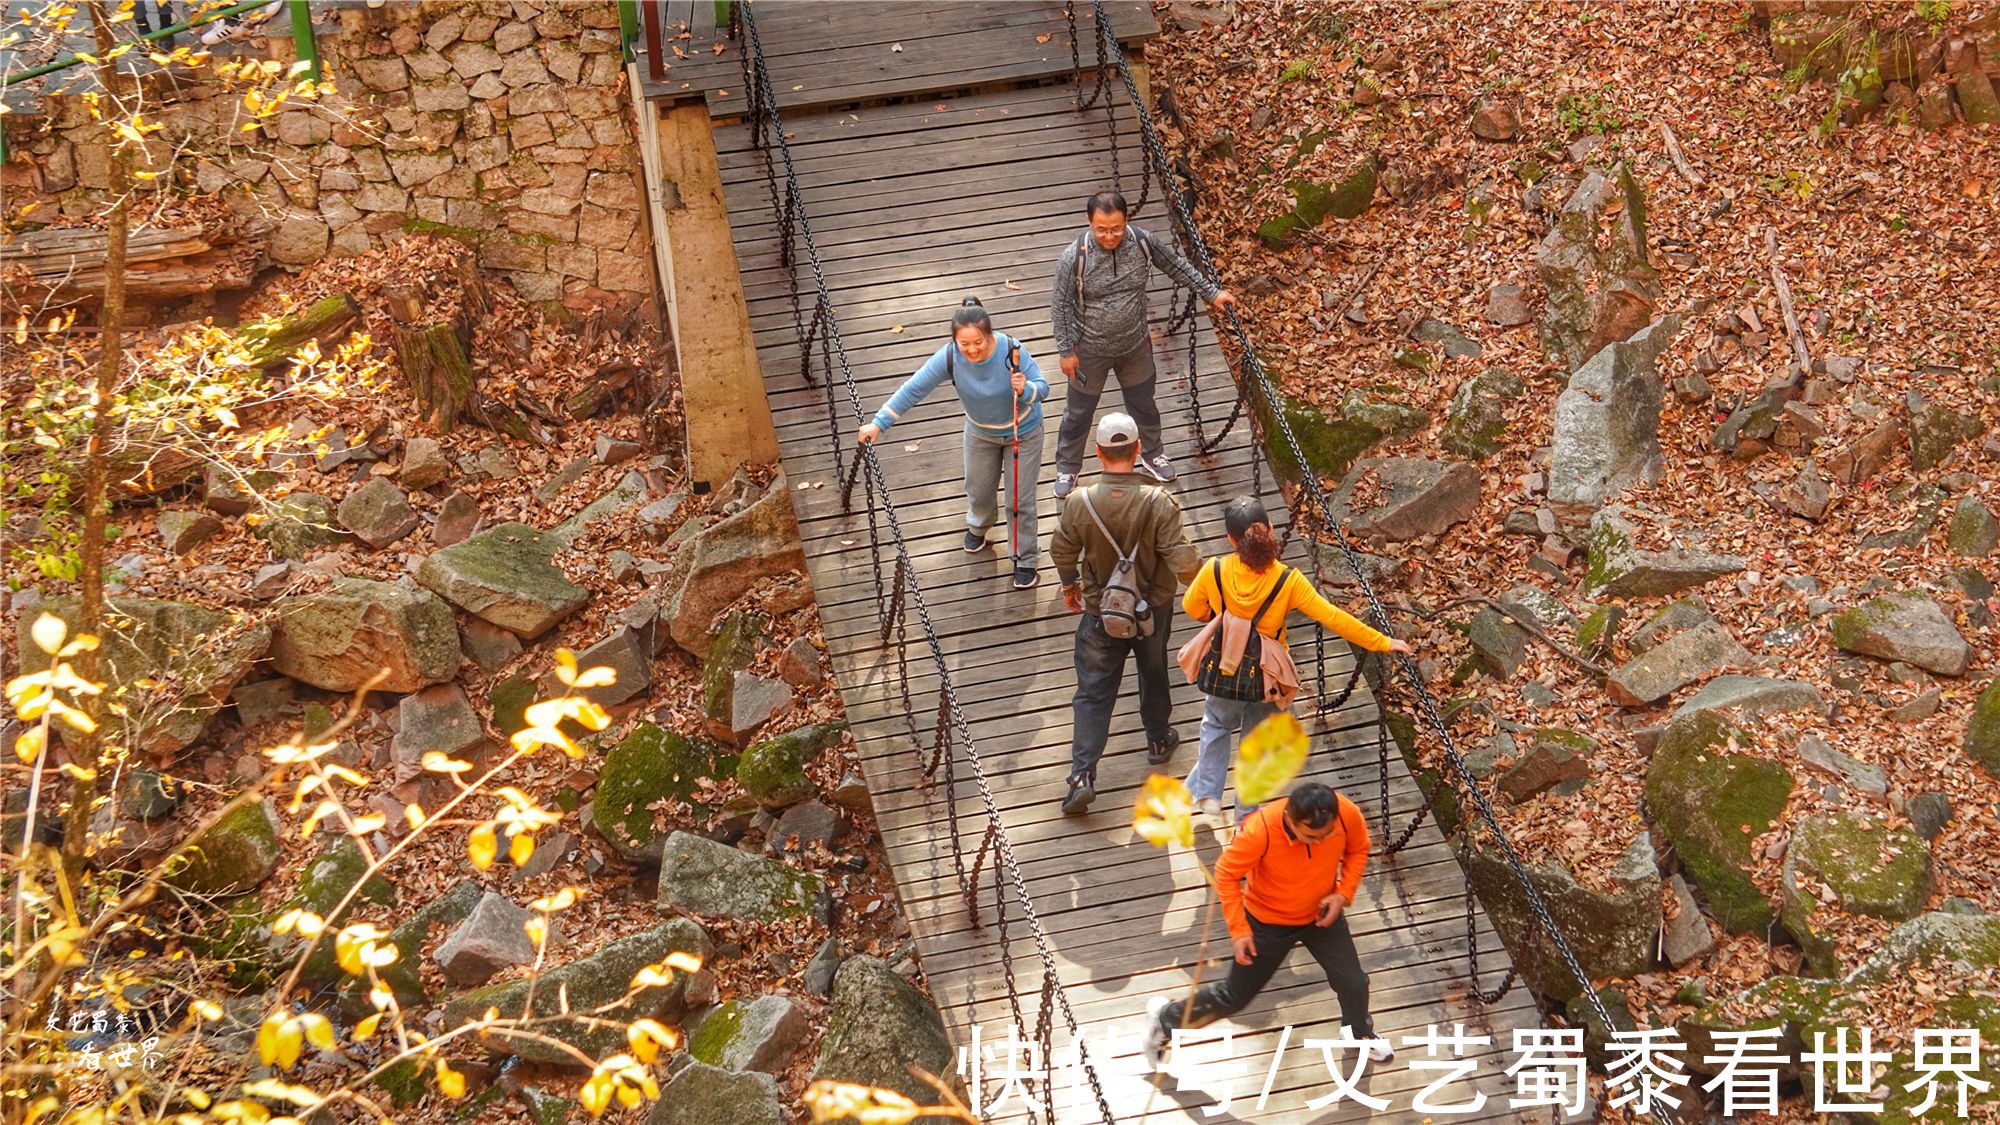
[953, 738]
[1250, 374]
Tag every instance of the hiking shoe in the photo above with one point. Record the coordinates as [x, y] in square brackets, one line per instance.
[1154, 1047]
[1080, 794]
[1380, 1052]
[975, 542]
[1065, 484]
[1026, 576]
[1158, 751]
[1158, 467]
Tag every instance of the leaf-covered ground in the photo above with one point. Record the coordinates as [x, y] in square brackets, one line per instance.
[1888, 234]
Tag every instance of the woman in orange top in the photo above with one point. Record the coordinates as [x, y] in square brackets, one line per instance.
[1286, 879]
[1248, 577]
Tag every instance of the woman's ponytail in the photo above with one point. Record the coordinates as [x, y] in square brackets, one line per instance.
[1257, 547]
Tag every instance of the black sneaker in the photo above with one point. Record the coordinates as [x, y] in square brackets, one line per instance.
[1026, 576]
[1080, 794]
[1065, 483]
[1158, 467]
[975, 542]
[1158, 752]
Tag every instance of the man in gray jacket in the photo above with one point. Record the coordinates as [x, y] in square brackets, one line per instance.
[1145, 520]
[1099, 311]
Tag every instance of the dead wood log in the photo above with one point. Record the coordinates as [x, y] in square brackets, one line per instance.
[434, 361]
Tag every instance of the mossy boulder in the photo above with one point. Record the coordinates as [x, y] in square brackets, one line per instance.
[1331, 445]
[199, 652]
[342, 637]
[1611, 932]
[1982, 730]
[298, 524]
[1905, 625]
[1869, 867]
[715, 880]
[877, 1025]
[1599, 630]
[648, 765]
[700, 1094]
[1973, 532]
[321, 886]
[589, 982]
[1711, 804]
[1371, 407]
[772, 772]
[732, 650]
[1345, 198]
[1792, 1004]
[235, 855]
[237, 937]
[1476, 420]
[760, 1034]
[1618, 569]
[506, 576]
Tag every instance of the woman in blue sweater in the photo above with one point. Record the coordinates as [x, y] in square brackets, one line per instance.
[1002, 391]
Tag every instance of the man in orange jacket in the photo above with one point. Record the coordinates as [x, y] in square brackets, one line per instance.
[1286, 879]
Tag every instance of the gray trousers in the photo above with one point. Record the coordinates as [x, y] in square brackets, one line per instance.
[989, 469]
[1137, 381]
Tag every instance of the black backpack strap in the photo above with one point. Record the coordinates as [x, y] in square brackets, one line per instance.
[949, 375]
[1275, 591]
[1014, 356]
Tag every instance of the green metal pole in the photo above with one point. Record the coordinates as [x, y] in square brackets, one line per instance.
[628, 25]
[302, 37]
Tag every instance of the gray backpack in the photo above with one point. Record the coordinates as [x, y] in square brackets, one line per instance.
[1124, 613]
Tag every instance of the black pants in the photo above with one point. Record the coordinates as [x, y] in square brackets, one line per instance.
[1100, 671]
[1138, 380]
[1332, 947]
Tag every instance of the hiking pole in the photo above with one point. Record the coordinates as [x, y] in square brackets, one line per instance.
[1014, 489]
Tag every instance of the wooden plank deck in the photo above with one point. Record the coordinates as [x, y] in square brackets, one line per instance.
[913, 206]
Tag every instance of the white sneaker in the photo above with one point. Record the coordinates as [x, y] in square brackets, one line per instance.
[1380, 1052]
[1154, 1048]
[1212, 808]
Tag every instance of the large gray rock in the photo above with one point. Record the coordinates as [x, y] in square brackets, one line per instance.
[725, 560]
[1982, 730]
[1476, 420]
[424, 463]
[1752, 695]
[1556, 757]
[200, 653]
[492, 938]
[715, 880]
[378, 513]
[759, 1035]
[628, 657]
[629, 492]
[505, 576]
[1599, 289]
[236, 854]
[1612, 933]
[700, 1094]
[1618, 569]
[753, 702]
[1973, 531]
[437, 719]
[1710, 804]
[404, 976]
[1852, 863]
[1687, 935]
[1499, 644]
[1678, 617]
[338, 639]
[1418, 497]
[647, 766]
[182, 531]
[1907, 626]
[298, 524]
[1674, 663]
[1606, 435]
[585, 984]
[1937, 428]
[772, 772]
[879, 1024]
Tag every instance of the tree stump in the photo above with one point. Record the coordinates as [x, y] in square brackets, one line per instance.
[434, 361]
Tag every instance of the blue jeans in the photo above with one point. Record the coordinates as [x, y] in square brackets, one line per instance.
[1221, 721]
[1100, 669]
[989, 471]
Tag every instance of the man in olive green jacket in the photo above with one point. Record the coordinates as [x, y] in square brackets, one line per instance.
[1145, 519]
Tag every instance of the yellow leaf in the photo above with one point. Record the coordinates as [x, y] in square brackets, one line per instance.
[1164, 812]
[685, 962]
[596, 677]
[439, 763]
[226, 416]
[414, 814]
[520, 848]
[841, 1101]
[48, 632]
[366, 1028]
[32, 742]
[450, 1081]
[370, 822]
[538, 930]
[561, 900]
[198, 1098]
[481, 847]
[565, 666]
[1269, 758]
[319, 1032]
[648, 1037]
[206, 1009]
[596, 1093]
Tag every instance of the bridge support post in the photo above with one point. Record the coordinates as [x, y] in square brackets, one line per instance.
[722, 387]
